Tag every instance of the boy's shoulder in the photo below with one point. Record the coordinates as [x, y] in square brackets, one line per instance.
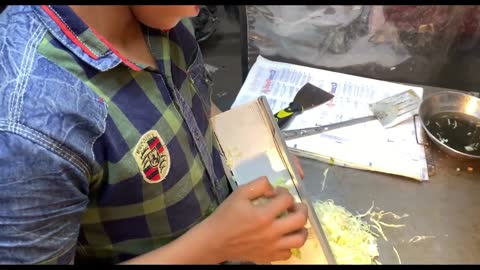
[40, 100]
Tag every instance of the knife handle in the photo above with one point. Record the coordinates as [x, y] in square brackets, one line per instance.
[284, 116]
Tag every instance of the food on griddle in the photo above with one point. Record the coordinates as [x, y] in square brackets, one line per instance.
[350, 238]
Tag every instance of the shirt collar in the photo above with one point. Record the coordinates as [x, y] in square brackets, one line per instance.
[69, 29]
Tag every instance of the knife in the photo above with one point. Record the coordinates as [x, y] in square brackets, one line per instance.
[307, 97]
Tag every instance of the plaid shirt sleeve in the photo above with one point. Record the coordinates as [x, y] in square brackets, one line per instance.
[42, 198]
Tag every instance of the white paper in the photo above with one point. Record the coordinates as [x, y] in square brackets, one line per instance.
[366, 146]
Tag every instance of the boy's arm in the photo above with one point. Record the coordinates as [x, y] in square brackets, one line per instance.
[42, 198]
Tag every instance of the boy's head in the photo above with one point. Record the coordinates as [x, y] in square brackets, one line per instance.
[163, 17]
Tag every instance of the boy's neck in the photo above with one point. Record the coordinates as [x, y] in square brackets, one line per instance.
[119, 27]
[115, 23]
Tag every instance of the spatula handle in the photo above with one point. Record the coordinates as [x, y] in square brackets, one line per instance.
[303, 132]
[285, 115]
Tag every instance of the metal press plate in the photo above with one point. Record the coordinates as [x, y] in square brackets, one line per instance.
[250, 151]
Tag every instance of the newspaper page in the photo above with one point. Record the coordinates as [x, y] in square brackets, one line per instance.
[367, 146]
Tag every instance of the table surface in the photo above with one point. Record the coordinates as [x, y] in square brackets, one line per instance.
[447, 206]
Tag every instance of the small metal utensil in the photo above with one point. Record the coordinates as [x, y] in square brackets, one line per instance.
[389, 112]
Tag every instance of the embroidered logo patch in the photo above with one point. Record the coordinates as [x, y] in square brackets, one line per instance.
[152, 157]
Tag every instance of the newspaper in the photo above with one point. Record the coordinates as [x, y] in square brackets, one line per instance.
[366, 146]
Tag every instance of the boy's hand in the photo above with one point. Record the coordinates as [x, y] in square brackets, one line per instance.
[242, 231]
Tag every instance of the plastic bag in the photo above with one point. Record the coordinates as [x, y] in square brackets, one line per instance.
[429, 45]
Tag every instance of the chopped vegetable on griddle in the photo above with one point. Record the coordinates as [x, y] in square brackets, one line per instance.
[419, 238]
[398, 256]
[350, 238]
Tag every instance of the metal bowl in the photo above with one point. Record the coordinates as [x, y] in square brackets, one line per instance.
[448, 102]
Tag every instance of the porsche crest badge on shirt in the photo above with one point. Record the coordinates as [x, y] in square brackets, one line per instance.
[152, 157]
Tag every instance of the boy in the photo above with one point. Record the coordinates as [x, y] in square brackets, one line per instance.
[106, 153]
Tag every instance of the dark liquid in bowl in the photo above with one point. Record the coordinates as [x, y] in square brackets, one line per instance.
[456, 130]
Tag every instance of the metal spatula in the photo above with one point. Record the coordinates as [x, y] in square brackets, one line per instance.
[389, 111]
[306, 98]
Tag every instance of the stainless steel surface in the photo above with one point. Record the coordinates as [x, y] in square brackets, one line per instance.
[388, 111]
[303, 132]
[449, 101]
[446, 207]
